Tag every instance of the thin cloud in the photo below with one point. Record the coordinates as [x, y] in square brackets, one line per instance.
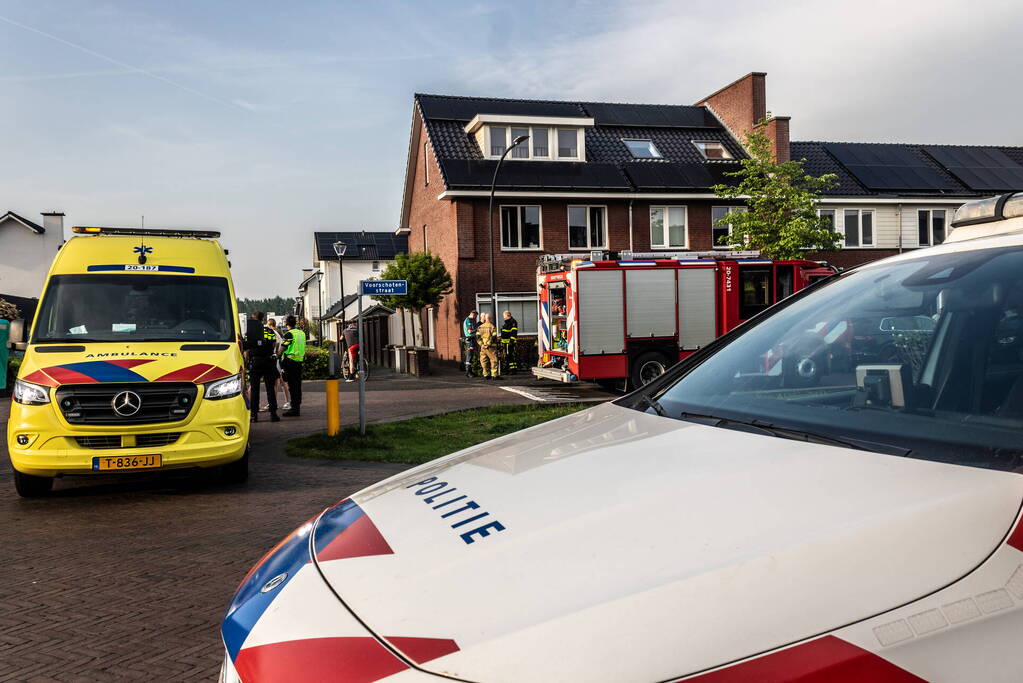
[116, 62]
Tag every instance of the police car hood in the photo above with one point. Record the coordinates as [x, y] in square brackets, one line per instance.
[616, 545]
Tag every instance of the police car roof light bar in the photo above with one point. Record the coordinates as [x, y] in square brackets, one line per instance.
[197, 234]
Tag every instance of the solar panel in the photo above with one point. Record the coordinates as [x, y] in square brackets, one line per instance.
[889, 167]
[980, 168]
[535, 174]
[464, 108]
[654, 115]
[656, 175]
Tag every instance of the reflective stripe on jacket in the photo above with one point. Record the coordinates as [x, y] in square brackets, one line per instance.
[294, 345]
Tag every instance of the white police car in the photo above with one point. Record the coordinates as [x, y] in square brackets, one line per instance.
[770, 510]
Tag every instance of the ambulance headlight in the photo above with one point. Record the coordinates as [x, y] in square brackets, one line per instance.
[30, 394]
[229, 387]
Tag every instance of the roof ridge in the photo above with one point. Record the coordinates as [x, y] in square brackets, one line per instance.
[903, 144]
[575, 102]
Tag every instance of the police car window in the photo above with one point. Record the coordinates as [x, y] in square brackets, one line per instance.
[921, 357]
[135, 307]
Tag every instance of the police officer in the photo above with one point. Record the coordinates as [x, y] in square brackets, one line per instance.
[294, 355]
[469, 339]
[260, 343]
[509, 341]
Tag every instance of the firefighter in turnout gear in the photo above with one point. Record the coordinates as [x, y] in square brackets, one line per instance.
[486, 335]
[260, 344]
[509, 341]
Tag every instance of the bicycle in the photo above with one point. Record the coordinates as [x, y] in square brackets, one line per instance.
[347, 373]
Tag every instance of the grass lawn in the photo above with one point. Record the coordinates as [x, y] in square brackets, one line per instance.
[421, 439]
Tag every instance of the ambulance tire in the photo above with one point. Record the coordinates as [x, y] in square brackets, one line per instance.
[238, 471]
[646, 368]
[29, 486]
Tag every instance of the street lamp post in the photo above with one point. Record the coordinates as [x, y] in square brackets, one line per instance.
[490, 222]
[339, 249]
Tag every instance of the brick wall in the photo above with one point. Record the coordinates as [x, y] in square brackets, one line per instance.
[432, 227]
[740, 104]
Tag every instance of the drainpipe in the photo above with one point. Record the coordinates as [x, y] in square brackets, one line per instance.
[630, 224]
[898, 221]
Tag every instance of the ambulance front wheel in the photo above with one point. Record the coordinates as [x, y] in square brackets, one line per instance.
[646, 368]
[30, 486]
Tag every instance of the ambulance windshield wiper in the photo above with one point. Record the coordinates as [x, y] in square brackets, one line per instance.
[759, 427]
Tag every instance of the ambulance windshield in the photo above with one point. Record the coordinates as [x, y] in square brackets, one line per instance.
[920, 357]
[135, 308]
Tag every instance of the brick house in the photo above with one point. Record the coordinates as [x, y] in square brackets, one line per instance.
[633, 177]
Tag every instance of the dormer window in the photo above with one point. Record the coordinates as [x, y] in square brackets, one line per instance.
[642, 149]
[551, 138]
[712, 150]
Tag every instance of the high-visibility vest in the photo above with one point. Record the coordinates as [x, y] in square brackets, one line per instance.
[294, 348]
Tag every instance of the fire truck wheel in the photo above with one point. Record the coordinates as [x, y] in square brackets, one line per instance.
[646, 368]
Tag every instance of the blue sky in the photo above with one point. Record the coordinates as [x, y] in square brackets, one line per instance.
[272, 120]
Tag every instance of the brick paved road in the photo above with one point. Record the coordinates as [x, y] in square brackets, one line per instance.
[128, 580]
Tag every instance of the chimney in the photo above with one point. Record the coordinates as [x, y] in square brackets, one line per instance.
[54, 221]
[742, 104]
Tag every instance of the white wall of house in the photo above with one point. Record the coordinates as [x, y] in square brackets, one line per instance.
[330, 288]
[27, 255]
[896, 225]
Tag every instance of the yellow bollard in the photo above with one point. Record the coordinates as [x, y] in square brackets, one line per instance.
[333, 408]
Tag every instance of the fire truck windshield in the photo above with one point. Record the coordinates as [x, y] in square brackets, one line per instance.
[920, 357]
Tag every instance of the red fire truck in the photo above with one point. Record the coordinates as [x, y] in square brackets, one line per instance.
[618, 320]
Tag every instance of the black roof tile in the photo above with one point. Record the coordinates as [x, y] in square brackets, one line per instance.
[362, 246]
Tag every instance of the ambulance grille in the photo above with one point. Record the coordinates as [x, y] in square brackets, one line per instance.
[109, 441]
[92, 404]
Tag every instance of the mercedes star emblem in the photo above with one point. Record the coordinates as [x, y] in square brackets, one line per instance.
[126, 403]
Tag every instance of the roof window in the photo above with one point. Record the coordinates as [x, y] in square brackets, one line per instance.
[712, 150]
[642, 149]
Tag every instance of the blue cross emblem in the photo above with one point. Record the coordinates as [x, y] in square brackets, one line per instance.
[142, 250]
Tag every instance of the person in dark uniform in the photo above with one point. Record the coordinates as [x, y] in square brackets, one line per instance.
[294, 355]
[509, 342]
[260, 343]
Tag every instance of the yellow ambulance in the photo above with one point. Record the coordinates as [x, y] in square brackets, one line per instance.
[134, 361]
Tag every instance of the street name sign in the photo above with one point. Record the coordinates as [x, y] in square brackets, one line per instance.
[383, 287]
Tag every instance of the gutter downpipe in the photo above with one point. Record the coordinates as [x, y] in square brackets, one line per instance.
[898, 220]
[631, 200]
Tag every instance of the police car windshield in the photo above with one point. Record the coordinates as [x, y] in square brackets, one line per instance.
[135, 307]
[922, 357]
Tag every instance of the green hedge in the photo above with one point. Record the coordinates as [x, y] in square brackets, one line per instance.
[317, 362]
[13, 365]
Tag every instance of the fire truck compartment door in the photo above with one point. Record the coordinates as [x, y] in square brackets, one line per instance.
[696, 307]
[601, 327]
[651, 302]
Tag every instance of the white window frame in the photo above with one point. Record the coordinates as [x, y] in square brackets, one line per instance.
[666, 231]
[653, 148]
[580, 145]
[859, 226]
[930, 226]
[552, 142]
[730, 209]
[568, 227]
[483, 298]
[520, 207]
[728, 155]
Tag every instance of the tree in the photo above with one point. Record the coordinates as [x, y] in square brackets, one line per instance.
[781, 221]
[428, 282]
